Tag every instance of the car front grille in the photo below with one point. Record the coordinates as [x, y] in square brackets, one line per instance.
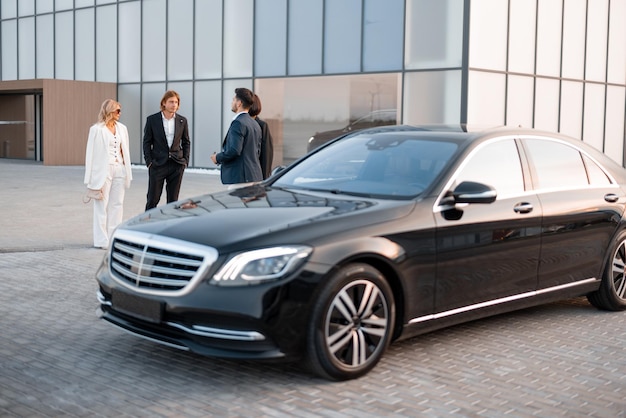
[155, 264]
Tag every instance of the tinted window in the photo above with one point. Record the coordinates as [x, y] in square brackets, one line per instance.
[390, 165]
[597, 176]
[557, 165]
[496, 164]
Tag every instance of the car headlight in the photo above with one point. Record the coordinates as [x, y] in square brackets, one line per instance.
[258, 266]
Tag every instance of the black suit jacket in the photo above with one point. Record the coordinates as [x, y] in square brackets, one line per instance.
[267, 149]
[155, 149]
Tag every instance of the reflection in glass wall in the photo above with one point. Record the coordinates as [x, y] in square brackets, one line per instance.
[298, 108]
[432, 97]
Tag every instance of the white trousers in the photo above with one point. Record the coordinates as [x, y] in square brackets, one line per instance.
[108, 212]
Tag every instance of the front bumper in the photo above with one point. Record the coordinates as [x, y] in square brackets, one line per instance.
[208, 341]
[254, 322]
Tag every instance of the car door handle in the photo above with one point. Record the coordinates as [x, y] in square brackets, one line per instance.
[611, 197]
[523, 207]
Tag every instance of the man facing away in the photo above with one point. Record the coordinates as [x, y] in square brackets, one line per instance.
[166, 148]
[242, 146]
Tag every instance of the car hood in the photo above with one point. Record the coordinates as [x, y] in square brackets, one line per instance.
[260, 215]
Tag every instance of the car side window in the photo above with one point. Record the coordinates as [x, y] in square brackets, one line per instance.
[597, 176]
[556, 165]
[496, 164]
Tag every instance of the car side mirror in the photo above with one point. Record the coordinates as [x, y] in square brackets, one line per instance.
[473, 192]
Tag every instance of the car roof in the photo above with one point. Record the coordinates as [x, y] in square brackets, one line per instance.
[466, 135]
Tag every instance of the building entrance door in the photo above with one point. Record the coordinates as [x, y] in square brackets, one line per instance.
[20, 126]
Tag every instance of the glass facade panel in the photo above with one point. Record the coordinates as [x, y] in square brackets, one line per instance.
[549, 37]
[342, 36]
[64, 46]
[83, 3]
[129, 42]
[519, 101]
[383, 35]
[106, 44]
[616, 71]
[154, 40]
[547, 104]
[8, 9]
[597, 36]
[270, 38]
[45, 46]
[305, 37]
[238, 31]
[84, 41]
[26, 48]
[63, 5]
[44, 6]
[614, 134]
[593, 122]
[485, 98]
[571, 118]
[522, 36]
[208, 41]
[434, 34]
[179, 32]
[129, 97]
[9, 50]
[488, 34]
[207, 133]
[432, 97]
[574, 17]
[26, 7]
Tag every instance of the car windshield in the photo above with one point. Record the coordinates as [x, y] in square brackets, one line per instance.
[390, 165]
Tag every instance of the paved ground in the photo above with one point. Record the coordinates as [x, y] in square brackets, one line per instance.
[57, 359]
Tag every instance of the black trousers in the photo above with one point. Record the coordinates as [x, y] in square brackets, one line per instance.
[170, 173]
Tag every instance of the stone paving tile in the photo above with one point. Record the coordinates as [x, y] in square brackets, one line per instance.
[57, 359]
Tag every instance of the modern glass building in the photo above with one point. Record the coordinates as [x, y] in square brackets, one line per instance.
[558, 65]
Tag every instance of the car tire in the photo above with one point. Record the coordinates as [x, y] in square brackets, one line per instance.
[351, 323]
[611, 295]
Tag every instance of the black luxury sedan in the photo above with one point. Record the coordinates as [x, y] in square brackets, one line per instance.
[377, 236]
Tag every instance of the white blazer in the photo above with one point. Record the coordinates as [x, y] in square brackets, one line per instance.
[97, 155]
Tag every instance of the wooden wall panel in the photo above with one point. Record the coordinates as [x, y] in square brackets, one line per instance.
[69, 109]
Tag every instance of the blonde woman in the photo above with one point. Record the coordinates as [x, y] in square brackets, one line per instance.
[107, 168]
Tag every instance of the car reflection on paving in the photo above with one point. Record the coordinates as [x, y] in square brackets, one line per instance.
[379, 236]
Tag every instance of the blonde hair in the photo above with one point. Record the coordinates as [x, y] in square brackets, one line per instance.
[106, 110]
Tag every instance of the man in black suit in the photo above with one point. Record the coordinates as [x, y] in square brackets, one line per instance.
[166, 147]
[242, 146]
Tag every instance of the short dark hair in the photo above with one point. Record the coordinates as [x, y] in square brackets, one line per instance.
[246, 97]
[255, 109]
